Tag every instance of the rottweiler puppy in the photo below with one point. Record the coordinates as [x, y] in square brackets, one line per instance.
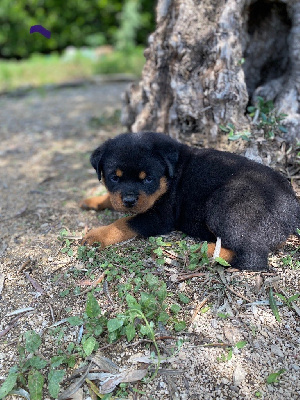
[204, 193]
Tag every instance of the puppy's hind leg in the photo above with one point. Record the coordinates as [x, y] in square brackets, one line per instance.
[97, 203]
[226, 254]
[251, 260]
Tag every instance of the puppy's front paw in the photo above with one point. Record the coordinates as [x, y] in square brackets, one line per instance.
[114, 233]
[89, 204]
[96, 203]
[95, 236]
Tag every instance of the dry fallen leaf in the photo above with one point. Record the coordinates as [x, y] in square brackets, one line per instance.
[73, 388]
[77, 395]
[112, 381]
[134, 375]
[258, 283]
[105, 364]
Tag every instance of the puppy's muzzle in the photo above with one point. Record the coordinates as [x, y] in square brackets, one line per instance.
[129, 200]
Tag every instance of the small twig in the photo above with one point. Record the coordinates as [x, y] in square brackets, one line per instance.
[10, 325]
[93, 284]
[198, 308]
[24, 265]
[166, 337]
[51, 312]
[189, 276]
[106, 292]
[34, 283]
[215, 345]
[150, 341]
[172, 255]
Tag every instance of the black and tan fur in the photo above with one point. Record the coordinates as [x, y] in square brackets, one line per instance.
[204, 193]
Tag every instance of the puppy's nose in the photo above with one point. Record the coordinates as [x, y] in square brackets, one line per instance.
[129, 200]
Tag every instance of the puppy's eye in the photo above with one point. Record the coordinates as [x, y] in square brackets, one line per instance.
[114, 178]
[148, 179]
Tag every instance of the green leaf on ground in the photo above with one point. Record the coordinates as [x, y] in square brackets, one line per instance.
[75, 321]
[32, 341]
[273, 378]
[92, 307]
[179, 326]
[114, 324]
[130, 332]
[35, 385]
[241, 344]
[221, 261]
[273, 305]
[37, 362]
[9, 383]
[54, 379]
[89, 345]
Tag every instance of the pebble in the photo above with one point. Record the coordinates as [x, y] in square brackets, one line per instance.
[225, 381]
[276, 350]
[239, 375]
[231, 333]
[214, 323]
[295, 367]
[162, 385]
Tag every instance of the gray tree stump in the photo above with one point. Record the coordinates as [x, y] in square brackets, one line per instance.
[208, 59]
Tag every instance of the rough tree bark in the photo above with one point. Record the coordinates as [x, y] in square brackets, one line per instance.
[195, 79]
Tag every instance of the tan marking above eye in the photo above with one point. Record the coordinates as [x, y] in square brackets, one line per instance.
[119, 173]
[142, 175]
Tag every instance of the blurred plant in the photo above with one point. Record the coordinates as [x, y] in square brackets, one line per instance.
[130, 61]
[130, 21]
[265, 114]
[77, 23]
[233, 135]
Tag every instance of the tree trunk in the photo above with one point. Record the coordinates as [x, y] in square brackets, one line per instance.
[208, 59]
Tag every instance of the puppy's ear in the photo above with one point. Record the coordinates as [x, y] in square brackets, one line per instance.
[171, 159]
[169, 152]
[97, 157]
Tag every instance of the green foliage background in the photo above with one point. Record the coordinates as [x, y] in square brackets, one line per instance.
[71, 22]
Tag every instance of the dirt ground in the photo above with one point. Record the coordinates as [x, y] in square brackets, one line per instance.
[45, 141]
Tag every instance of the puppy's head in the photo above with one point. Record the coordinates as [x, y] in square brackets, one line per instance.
[136, 168]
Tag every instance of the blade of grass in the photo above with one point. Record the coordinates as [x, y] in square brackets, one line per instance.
[273, 305]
